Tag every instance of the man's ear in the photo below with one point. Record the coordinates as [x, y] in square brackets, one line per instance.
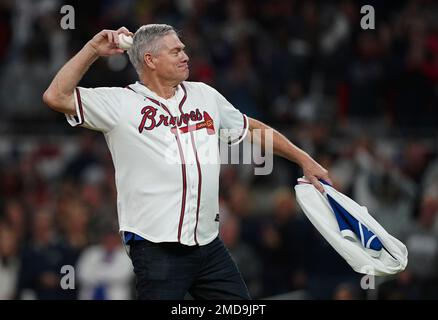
[149, 60]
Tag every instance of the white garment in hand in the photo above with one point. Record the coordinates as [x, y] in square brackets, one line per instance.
[318, 210]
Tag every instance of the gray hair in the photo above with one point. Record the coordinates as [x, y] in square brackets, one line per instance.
[145, 40]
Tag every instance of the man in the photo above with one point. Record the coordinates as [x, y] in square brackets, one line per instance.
[168, 212]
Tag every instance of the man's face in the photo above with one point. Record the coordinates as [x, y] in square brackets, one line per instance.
[172, 62]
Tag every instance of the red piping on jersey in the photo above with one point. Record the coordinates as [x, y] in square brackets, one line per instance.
[184, 194]
[199, 184]
[302, 182]
[197, 164]
[183, 168]
[128, 87]
[160, 105]
[243, 130]
[183, 99]
[81, 111]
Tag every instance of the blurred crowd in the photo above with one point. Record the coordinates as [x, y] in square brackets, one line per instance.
[364, 103]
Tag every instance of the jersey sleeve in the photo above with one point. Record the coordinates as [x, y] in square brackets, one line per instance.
[96, 108]
[233, 124]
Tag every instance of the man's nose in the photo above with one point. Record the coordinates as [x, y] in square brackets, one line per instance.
[185, 57]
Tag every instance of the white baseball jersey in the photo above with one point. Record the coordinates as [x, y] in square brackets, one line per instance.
[165, 154]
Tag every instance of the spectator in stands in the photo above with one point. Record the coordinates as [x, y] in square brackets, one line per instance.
[104, 270]
[422, 242]
[9, 262]
[346, 291]
[388, 195]
[42, 260]
[244, 255]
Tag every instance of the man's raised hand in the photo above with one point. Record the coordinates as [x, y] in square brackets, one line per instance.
[105, 43]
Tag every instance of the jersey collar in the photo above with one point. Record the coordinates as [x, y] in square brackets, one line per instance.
[180, 94]
[140, 88]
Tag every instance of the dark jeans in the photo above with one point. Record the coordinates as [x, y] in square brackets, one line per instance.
[170, 270]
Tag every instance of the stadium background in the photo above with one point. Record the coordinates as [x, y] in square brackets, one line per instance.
[363, 103]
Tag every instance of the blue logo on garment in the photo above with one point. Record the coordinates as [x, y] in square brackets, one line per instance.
[351, 227]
